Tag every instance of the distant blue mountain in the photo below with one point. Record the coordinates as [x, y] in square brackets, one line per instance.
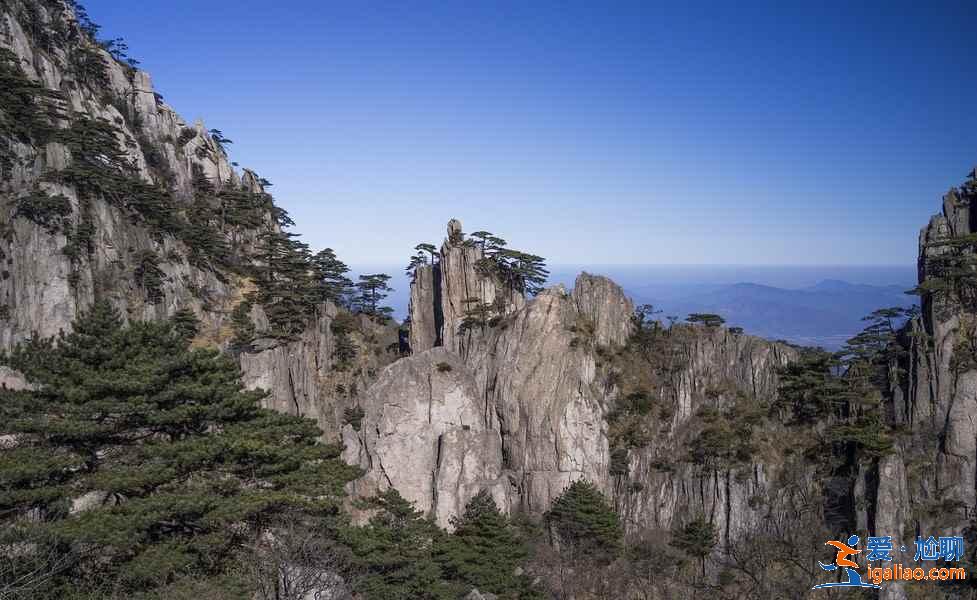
[825, 314]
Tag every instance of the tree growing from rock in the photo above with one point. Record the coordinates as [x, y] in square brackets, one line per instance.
[330, 273]
[371, 291]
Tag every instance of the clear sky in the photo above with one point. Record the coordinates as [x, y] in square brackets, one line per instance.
[587, 132]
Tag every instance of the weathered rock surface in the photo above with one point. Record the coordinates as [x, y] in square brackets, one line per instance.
[539, 401]
[442, 294]
[602, 303]
[429, 434]
[928, 486]
[42, 289]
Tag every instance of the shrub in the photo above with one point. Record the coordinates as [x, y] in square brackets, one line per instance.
[619, 462]
[44, 209]
[697, 538]
[243, 325]
[149, 276]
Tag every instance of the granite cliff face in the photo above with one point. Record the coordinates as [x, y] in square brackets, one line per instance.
[153, 217]
[520, 405]
[927, 486]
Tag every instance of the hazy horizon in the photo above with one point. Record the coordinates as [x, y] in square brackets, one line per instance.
[674, 287]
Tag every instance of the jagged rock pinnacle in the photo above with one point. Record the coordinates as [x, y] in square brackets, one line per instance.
[454, 229]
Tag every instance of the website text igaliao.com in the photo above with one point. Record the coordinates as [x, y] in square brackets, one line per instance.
[898, 572]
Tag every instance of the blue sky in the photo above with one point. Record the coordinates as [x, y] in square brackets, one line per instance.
[615, 133]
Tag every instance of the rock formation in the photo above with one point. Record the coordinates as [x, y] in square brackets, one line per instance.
[527, 401]
[520, 401]
[101, 246]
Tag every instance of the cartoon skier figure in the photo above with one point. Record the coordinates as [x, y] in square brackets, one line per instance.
[842, 561]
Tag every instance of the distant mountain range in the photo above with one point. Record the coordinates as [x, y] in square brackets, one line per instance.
[811, 306]
[825, 314]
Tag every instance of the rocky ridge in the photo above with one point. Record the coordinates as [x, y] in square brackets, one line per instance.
[98, 246]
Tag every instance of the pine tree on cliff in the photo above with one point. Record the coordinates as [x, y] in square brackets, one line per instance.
[371, 291]
[485, 551]
[331, 275]
[176, 462]
[517, 270]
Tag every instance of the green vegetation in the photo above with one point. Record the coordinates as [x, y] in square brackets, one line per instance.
[707, 319]
[585, 524]
[479, 315]
[697, 539]
[516, 270]
[50, 212]
[175, 462]
[485, 551]
[242, 326]
[423, 251]
[185, 323]
[149, 276]
[397, 553]
[726, 436]
[370, 292]
[28, 111]
[345, 349]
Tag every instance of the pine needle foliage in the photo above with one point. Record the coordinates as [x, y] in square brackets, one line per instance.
[178, 462]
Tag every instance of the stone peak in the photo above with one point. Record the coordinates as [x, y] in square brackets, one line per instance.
[454, 229]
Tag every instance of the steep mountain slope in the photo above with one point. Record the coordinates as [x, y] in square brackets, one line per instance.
[107, 193]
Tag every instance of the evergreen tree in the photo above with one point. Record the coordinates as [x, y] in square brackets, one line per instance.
[371, 290]
[176, 459]
[422, 252]
[697, 538]
[810, 388]
[707, 319]
[427, 248]
[484, 551]
[395, 554]
[585, 524]
[482, 238]
[186, 323]
[331, 275]
[287, 286]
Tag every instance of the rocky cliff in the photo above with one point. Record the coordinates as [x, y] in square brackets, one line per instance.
[106, 192]
[927, 486]
[519, 404]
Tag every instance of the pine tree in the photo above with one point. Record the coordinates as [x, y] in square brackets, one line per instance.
[707, 319]
[394, 554]
[485, 551]
[331, 275]
[179, 462]
[697, 538]
[585, 524]
[371, 290]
